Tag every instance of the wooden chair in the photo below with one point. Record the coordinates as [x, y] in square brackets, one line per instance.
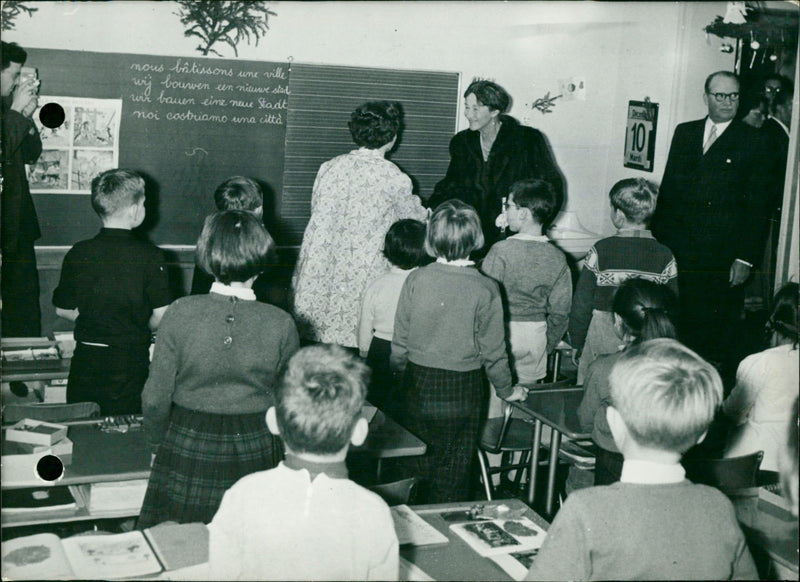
[728, 475]
[51, 412]
[396, 492]
[506, 436]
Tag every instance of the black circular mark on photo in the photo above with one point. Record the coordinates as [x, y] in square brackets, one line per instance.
[52, 115]
[50, 468]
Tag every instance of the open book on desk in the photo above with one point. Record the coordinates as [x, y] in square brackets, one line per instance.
[125, 555]
[501, 536]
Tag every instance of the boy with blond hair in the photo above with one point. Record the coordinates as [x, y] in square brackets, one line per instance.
[630, 253]
[653, 524]
[304, 519]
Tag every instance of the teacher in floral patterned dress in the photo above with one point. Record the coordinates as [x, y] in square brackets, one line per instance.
[356, 198]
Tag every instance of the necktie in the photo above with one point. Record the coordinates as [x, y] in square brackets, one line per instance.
[712, 137]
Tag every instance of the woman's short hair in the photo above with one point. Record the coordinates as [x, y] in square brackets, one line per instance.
[538, 196]
[404, 245]
[647, 309]
[238, 193]
[490, 94]
[454, 231]
[636, 198]
[784, 319]
[666, 394]
[234, 246]
[376, 123]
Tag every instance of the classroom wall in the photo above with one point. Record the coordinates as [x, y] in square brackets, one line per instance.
[623, 51]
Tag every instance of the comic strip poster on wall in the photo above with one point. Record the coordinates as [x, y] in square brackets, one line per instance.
[85, 144]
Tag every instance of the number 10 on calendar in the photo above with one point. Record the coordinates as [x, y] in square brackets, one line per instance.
[640, 137]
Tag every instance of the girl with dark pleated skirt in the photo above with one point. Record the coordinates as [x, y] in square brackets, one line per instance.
[449, 331]
[217, 358]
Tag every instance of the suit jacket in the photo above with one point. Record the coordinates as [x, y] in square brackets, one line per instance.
[20, 146]
[777, 140]
[518, 153]
[712, 208]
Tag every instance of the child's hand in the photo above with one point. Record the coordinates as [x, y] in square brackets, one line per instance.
[520, 393]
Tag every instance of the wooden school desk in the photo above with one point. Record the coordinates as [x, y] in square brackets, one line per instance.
[456, 560]
[99, 456]
[557, 408]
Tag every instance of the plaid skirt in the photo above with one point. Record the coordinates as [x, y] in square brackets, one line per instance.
[202, 455]
[445, 409]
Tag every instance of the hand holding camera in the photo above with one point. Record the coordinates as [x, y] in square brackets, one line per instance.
[26, 92]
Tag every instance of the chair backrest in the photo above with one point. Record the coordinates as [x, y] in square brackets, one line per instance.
[397, 492]
[51, 412]
[725, 474]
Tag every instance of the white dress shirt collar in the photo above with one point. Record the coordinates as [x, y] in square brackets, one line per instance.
[535, 237]
[649, 473]
[240, 292]
[721, 127]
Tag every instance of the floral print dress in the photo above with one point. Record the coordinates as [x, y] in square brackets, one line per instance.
[356, 198]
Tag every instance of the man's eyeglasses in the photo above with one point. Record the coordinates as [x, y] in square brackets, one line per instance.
[720, 97]
[507, 205]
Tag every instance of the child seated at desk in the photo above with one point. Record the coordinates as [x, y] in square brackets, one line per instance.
[115, 288]
[305, 520]
[653, 524]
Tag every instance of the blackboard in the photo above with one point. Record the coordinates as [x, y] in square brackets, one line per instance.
[298, 121]
[321, 99]
[186, 124]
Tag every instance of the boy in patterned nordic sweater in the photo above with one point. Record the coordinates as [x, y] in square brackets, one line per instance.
[631, 252]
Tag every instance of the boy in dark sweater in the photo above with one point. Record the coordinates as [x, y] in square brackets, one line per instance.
[632, 252]
[534, 277]
[115, 288]
[653, 524]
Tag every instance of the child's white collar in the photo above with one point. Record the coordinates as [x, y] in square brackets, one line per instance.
[649, 473]
[242, 293]
[456, 263]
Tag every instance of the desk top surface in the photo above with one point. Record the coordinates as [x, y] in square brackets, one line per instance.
[456, 560]
[112, 456]
[557, 408]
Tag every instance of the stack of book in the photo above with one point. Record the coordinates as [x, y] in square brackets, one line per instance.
[29, 440]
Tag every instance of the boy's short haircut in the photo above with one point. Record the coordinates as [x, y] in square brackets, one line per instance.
[319, 399]
[404, 245]
[537, 196]
[234, 246]
[454, 231]
[115, 190]
[666, 394]
[238, 193]
[636, 198]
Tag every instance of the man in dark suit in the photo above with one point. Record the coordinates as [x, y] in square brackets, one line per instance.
[712, 213]
[20, 145]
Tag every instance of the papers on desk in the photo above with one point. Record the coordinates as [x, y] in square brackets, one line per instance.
[501, 536]
[516, 564]
[411, 529]
[45, 556]
[115, 496]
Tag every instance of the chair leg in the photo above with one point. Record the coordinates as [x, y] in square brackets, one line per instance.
[518, 478]
[487, 483]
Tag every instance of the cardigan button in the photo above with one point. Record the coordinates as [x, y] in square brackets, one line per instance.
[228, 341]
[229, 319]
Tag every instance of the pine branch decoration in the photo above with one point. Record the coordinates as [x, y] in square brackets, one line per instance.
[10, 10]
[545, 104]
[227, 22]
